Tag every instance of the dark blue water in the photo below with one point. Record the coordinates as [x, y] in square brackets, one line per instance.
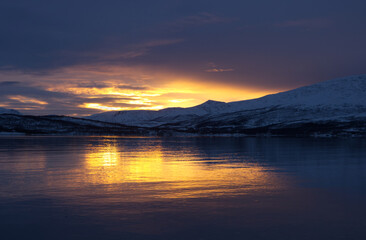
[182, 188]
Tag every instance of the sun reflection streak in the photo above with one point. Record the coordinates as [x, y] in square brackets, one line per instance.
[108, 157]
[144, 170]
[173, 174]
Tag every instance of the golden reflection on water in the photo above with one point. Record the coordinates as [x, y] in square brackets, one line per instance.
[107, 156]
[173, 173]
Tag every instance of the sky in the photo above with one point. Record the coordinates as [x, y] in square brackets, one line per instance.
[84, 57]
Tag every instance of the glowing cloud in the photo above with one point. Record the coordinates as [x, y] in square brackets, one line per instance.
[84, 90]
[100, 107]
[24, 99]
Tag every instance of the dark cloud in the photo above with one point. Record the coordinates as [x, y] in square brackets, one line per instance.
[199, 19]
[132, 87]
[264, 44]
[36, 100]
[92, 85]
[305, 23]
[30, 91]
[103, 99]
[101, 85]
[6, 83]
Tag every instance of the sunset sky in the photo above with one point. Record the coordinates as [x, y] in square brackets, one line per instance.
[83, 57]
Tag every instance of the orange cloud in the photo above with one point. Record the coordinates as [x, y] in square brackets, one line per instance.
[24, 99]
[90, 89]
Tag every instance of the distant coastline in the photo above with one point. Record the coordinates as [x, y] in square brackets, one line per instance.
[335, 108]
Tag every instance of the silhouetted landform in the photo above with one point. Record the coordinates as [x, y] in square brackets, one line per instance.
[331, 108]
[59, 125]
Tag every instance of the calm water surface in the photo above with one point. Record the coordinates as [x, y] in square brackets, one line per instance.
[182, 188]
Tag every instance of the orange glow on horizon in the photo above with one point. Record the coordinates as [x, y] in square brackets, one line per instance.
[156, 99]
[157, 90]
[113, 88]
[101, 107]
[109, 108]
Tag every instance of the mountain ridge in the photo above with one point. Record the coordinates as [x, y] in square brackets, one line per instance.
[8, 111]
[337, 93]
[331, 108]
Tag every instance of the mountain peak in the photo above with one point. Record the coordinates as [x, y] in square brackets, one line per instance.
[340, 95]
[8, 111]
[211, 102]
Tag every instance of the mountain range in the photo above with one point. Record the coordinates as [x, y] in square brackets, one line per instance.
[8, 111]
[331, 108]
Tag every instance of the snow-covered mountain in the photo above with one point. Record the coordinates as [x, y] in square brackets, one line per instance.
[8, 111]
[332, 108]
[150, 118]
[341, 92]
[335, 100]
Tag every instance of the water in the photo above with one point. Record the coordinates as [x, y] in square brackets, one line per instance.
[182, 188]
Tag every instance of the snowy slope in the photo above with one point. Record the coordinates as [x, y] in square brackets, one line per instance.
[332, 108]
[8, 111]
[338, 97]
[156, 118]
[341, 92]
